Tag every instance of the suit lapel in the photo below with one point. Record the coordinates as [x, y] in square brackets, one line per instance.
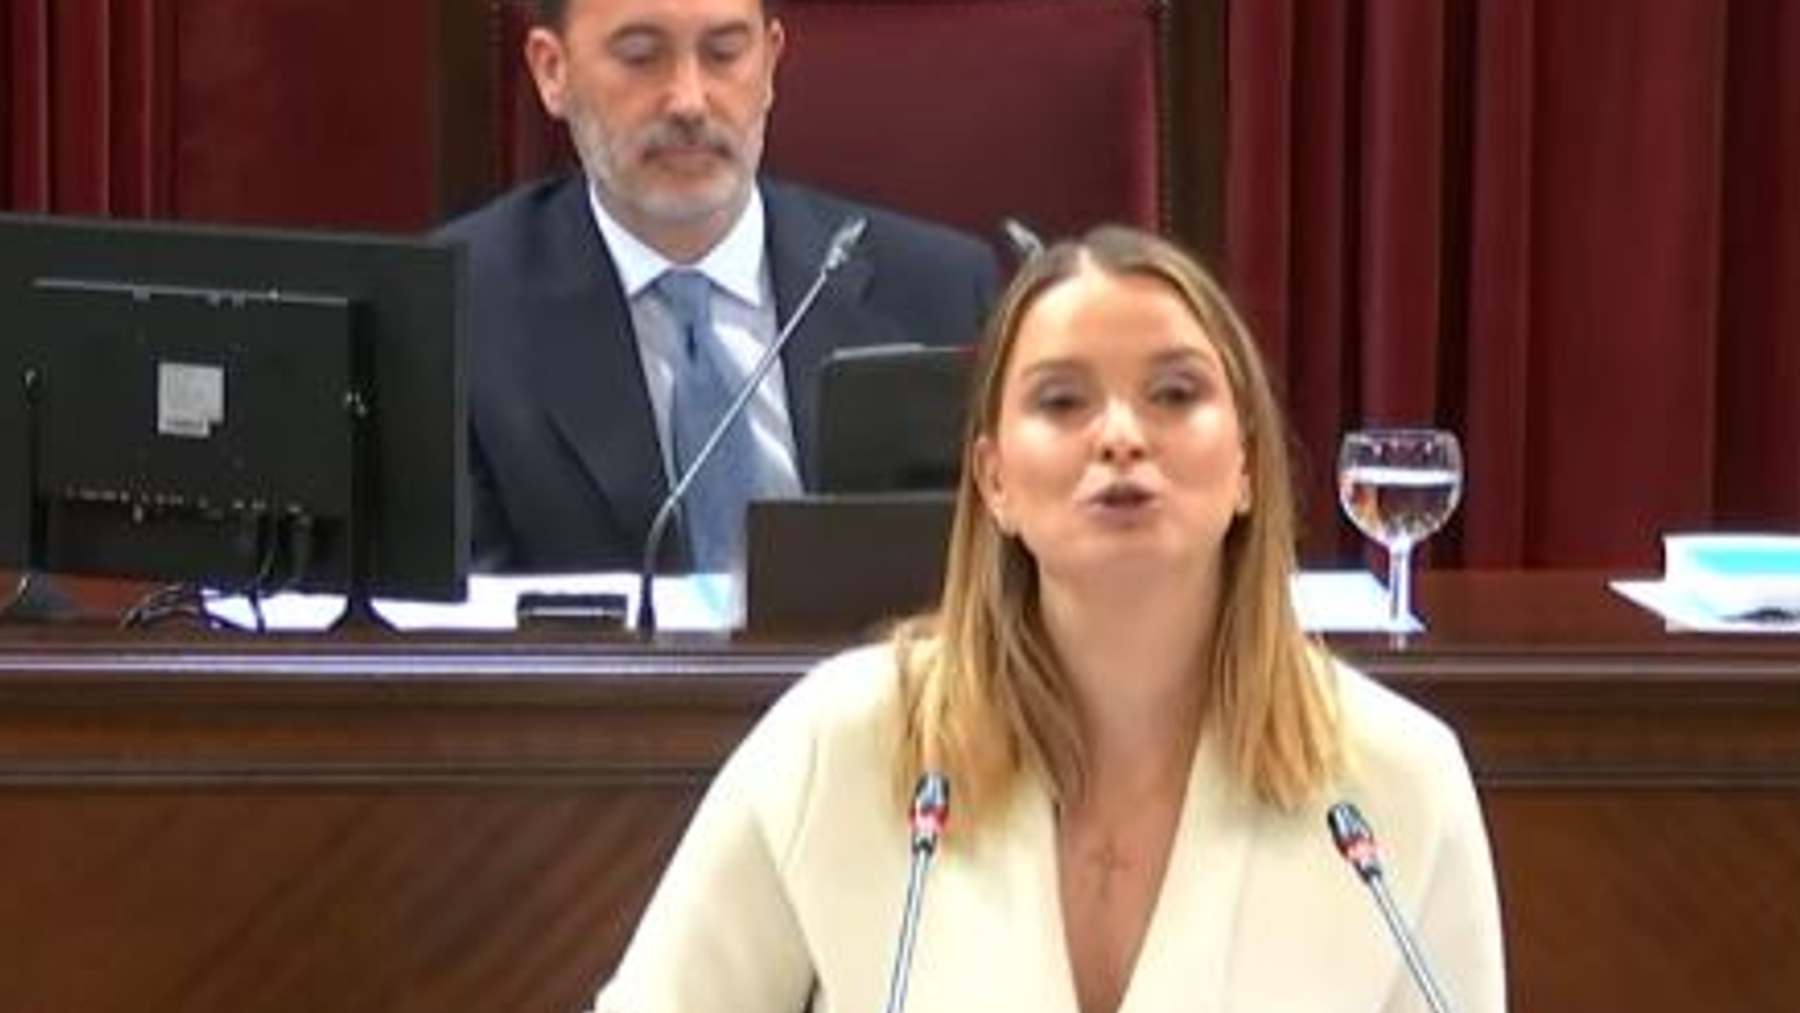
[584, 352]
[586, 365]
[799, 230]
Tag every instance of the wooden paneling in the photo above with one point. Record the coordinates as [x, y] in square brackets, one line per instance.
[401, 824]
[264, 899]
[1665, 898]
[1642, 790]
[1198, 130]
[380, 827]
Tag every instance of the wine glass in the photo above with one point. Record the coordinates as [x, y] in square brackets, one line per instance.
[1398, 486]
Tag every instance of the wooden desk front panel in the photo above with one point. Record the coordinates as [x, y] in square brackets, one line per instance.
[360, 830]
[403, 825]
[244, 899]
[1646, 826]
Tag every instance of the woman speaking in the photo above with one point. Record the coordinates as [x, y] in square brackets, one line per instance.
[1139, 742]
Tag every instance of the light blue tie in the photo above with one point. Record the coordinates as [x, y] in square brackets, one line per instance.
[705, 382]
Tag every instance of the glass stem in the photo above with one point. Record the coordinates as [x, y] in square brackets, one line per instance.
[1399, 583]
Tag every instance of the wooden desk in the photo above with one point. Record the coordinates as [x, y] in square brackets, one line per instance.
[386, 824]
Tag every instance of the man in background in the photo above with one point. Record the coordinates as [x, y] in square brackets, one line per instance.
[614, 313]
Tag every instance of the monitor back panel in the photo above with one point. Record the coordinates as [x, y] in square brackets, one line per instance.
[844, 564]
[255, 388]
[891, 418]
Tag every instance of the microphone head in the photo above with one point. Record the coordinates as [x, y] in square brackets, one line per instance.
[1354, 840]
[1025, 243]
[930, 811]
[843, 241]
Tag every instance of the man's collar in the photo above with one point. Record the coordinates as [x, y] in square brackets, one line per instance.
[734, 263]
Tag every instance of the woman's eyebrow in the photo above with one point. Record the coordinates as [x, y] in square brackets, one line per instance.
[1060, 364]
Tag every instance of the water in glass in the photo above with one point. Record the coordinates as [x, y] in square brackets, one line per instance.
[1399, 486]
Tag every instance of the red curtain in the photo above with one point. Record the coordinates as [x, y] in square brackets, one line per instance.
[1566, 230]
[25, 104]
[88, 106]
[293, 112]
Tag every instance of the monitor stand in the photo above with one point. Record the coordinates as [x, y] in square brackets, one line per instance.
[359, 610]
[37, 598]
[34, 598]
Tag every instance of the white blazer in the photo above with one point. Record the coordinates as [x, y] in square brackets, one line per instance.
[788, 886]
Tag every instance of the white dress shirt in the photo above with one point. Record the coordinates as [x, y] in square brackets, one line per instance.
[743, 309]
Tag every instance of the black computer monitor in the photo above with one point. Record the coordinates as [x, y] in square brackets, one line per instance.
[891, 418]
[247, 409]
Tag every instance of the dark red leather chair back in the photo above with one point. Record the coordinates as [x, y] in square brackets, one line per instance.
[963, 111]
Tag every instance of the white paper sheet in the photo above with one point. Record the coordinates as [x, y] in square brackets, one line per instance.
[1683, 611]
[1331, 601]
[689, 603]
[1346, 601]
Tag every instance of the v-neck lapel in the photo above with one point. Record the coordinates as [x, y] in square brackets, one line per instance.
[1040, 842]
[1185, 960]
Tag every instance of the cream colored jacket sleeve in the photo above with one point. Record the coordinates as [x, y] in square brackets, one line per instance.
[1457, 914]
[719, 933]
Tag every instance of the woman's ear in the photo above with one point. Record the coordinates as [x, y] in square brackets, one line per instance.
[985, 459]
[1246, 497]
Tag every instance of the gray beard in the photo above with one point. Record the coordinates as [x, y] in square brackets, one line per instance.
[596, 154]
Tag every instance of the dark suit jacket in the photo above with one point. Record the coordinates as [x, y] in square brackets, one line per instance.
[565, 465]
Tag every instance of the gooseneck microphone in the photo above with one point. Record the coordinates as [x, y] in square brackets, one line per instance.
[930, 813]
[837, 252]
[1025, 243]
[1356, 842]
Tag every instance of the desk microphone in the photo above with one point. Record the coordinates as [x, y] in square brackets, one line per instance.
[837, 252]
[1356, 842]
[1025, 243]
[930, 813]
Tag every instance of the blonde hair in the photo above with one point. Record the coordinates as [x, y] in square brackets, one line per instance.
[985, 698]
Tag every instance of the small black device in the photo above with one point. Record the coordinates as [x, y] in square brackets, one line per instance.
[891, 418]
[843, 563]
[606, 610]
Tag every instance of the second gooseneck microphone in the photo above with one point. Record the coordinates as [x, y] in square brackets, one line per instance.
[930, 813]
[837, 252]
[1356, 842]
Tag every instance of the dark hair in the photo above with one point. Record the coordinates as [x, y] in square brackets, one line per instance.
[552, 12]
